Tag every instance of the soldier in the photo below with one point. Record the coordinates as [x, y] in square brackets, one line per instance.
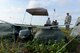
[55, 23]
[48, 22]
[68, 21]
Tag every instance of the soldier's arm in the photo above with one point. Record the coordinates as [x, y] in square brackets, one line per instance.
[70, 18]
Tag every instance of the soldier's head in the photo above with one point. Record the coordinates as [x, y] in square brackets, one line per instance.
[55, 20]
[48, 18]
[67, 13]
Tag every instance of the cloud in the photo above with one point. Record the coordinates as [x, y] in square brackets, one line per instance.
[53, 2]
[34, 4]
[59, 2]
[48, 3]
[3, 1]
[12, 10]
[12, 14]
[39, 3]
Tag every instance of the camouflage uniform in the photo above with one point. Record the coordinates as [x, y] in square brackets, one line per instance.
[67, 21]
[48, 22]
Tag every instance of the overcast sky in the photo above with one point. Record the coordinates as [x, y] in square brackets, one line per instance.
[13, 10]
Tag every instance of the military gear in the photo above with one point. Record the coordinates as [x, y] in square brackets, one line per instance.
[68, 21]
[48, 21]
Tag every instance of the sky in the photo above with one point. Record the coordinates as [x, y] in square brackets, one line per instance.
[13, 11]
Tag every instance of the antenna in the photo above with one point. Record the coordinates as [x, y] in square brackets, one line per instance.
[54, 13]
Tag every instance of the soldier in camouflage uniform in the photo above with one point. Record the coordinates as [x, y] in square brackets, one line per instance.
[68, 21]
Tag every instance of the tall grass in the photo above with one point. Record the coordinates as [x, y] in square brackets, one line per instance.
[8, 45]
[30, 47]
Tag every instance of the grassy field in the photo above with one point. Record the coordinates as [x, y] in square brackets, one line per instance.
[8, 45]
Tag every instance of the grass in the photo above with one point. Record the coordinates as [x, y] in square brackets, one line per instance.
[72, 46]
[8, 45]
[34, 46]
